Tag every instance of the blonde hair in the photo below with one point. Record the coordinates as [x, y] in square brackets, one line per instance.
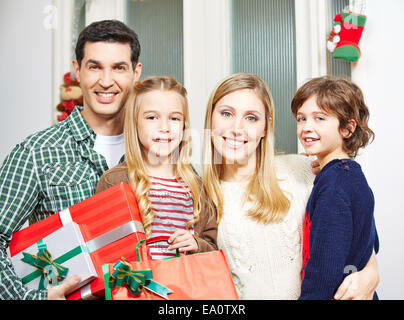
[137, 172]
[269, 202]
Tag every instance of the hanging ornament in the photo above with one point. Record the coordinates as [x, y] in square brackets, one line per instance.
[343, 40]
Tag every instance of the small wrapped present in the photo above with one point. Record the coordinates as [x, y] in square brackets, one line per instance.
[49, 261]
[127, 283]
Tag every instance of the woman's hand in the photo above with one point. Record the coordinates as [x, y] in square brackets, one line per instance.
[360, 285]
[182, 240]
[315, 164]
[315, 167]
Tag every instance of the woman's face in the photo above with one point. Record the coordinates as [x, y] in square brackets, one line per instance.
[238, 124]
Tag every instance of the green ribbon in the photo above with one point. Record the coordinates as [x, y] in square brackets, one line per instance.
[135, 280]
[50, 270]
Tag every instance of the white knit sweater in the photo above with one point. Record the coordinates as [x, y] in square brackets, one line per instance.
[265, 260]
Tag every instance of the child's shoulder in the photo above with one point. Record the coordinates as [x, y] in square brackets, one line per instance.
[345, 175]
[342, 168]
[119, 170]
[113, 176]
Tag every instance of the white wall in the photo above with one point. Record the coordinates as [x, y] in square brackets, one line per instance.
[379, 73]
[25, 68]
[206, 26]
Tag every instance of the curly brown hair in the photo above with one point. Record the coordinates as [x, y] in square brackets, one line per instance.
[344, 99]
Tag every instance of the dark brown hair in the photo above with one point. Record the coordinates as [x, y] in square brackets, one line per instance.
[343, 99]
[108, 31]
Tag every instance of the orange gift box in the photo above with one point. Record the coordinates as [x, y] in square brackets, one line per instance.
[110, 224]
[199, 276]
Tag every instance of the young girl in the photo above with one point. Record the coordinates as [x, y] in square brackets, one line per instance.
[339, 228]
[157, 164]
[260, 199]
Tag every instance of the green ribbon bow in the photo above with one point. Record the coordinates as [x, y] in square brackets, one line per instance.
[51, 271]
[135, 280]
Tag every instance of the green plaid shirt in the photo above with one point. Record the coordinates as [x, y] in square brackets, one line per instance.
[46, 173]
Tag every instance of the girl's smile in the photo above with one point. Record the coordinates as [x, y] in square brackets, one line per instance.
[162, 140]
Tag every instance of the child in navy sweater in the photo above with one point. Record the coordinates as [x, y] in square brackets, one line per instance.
[339, 231]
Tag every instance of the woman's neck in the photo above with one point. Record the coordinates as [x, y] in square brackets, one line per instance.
[237, 173]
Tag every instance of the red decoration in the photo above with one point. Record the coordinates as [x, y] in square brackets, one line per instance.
[306, 247]
[71, 96]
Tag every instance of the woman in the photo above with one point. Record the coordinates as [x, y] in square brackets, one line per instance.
[260, 199]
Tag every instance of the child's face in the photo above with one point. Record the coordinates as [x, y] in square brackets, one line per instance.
[319, 132]
[160, 124]
[238, 124]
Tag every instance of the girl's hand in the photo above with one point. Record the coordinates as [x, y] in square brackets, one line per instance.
[360, 285]
[182, 240]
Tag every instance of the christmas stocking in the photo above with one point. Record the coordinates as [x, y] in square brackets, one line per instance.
[343, 40]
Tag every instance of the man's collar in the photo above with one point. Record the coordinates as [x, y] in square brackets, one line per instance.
[78, 126]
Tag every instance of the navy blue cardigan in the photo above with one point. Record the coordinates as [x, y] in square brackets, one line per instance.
[339, 230]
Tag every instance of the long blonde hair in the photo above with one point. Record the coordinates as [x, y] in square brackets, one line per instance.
[137, 172]
[269, 202]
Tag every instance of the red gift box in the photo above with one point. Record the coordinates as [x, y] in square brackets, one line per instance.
[111, 226]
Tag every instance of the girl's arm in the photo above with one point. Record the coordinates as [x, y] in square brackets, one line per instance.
[184, 241]
[360, 285]
[206, 227]
[205, 237]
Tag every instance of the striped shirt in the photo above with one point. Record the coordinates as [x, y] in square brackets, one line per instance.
[46, 173]
[172, 205]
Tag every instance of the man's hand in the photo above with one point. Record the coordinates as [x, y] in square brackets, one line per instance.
[182, 240]
[59, 292]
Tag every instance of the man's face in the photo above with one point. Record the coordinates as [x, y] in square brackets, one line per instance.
[106, 77]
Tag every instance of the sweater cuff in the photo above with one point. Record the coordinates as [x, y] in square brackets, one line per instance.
[203, 245]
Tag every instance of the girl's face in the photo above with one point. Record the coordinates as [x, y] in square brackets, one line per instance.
[319, 132]
[160, 124]
[238, 124]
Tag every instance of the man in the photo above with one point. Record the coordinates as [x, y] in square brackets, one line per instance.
[60, 166]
